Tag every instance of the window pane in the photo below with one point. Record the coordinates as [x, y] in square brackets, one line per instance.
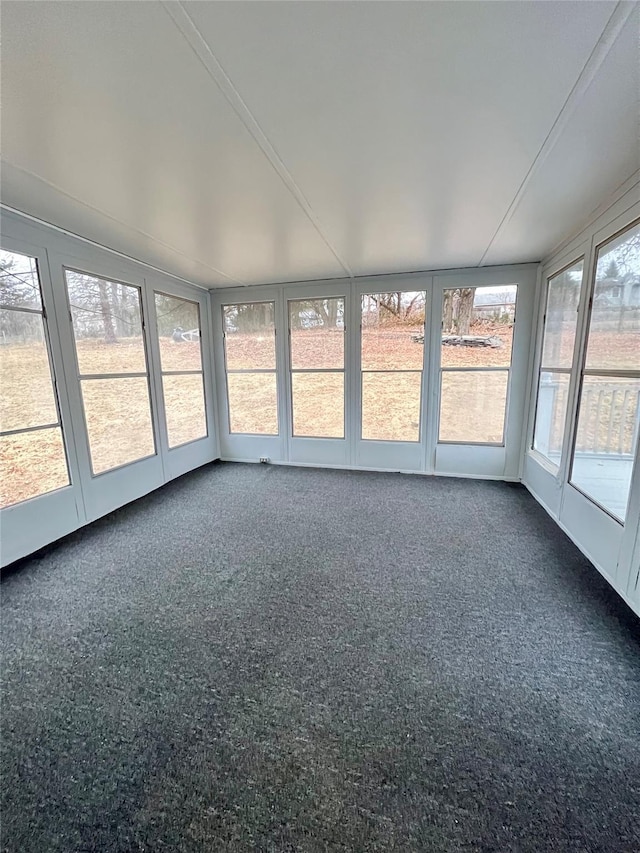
[118, 417]
[178, 322]
[551, 413]
[317, 333]
[606, 440]
[106, 324]
[318, 404]
[184, 408]
[563, 296]
[393, 330]
[250, 336]
[477, 326]
[19, 282]
[614, 328]
[472, 406]
[253, 404]
[25, 377]
[31, 464]
[391, 406]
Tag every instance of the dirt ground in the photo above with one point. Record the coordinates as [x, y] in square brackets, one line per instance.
[119, 422]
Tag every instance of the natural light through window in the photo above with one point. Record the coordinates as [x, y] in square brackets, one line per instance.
[560, 324]
[32, 453]
[608, 416]
[317, 367]
[250, 361]
[178, 326]
[477, 337]
[392, 356]
[112, 369]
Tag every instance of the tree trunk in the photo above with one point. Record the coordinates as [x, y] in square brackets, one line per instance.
[109, 332]
[333, 313]
[447, 311]
[465, 310]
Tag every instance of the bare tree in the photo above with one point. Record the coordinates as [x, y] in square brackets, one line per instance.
[465, 310]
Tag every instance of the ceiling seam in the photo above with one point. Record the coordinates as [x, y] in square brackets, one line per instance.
[611, 31]
[118, 222]
[198, 44]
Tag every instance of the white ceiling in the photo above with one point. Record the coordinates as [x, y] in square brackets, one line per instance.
[247, 142]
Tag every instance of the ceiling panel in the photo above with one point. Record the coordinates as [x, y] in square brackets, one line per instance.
[597, 151]
[348, 137]
[107, 103]
[408, 126]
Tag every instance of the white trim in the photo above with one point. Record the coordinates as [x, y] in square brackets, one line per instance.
[406, 471]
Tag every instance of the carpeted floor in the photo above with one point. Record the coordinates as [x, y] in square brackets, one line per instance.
[280, 659]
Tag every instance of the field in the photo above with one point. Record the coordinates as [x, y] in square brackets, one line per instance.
[118, 410]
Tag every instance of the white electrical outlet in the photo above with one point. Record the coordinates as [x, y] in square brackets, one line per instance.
[264, 458]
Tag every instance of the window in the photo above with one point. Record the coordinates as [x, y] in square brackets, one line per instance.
[392, 357]
[32, 452]
[609, 413]
[316, 340]
[558, 340]
[178, 327]
[250, 360]
[477, 335]
[112, 369]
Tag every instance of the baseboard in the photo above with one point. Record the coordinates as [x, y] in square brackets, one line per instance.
[280, 462]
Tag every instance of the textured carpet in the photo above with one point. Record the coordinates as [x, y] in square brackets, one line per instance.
[281, 659]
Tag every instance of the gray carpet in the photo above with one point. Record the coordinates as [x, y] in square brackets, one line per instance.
[279, 659]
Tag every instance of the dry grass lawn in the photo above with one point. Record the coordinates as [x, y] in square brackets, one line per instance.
[118, 412]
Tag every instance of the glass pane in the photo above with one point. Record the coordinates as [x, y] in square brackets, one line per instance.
[563, 296]
[393, 330]
[107, 325]
[477, 326]
[250, 336]
[472, 406]
[178, 322]
[118, 414]
[253, 404]
[614, 326]
[391, 406]
[606, 440]
[318, 404]
[19, 282]
[551, 413]
[25, 378]
[317, 333]
[31, 464]
[184, 408]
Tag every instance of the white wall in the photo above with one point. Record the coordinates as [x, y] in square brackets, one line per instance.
[613, 547]
[29, 525]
